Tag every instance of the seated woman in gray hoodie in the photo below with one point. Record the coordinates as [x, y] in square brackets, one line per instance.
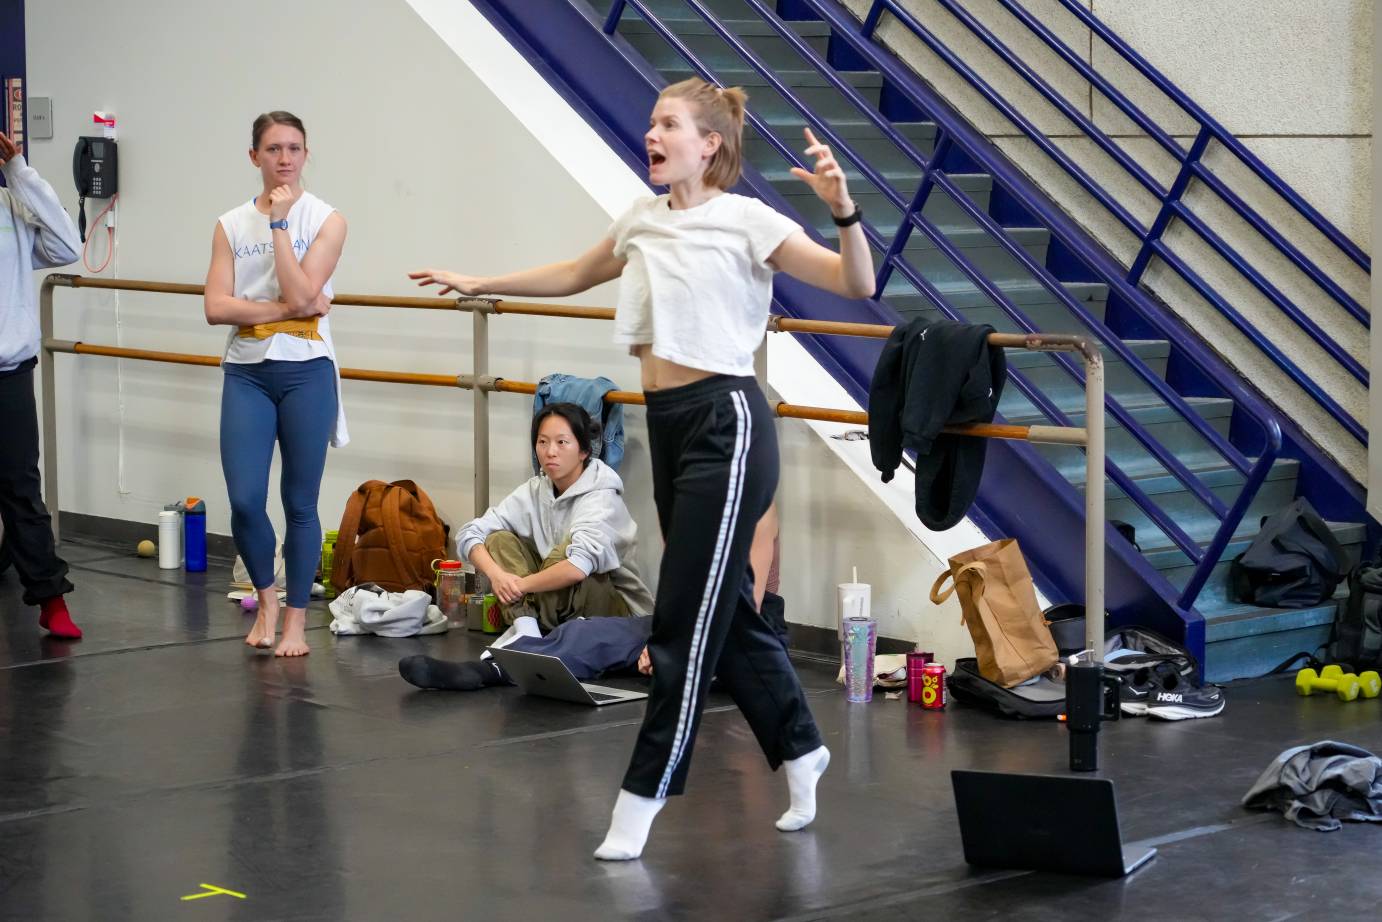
[559, 547]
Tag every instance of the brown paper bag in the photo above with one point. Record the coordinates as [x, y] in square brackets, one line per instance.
[998, 604]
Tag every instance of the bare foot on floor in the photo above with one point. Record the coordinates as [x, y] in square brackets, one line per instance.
[294, 641]
[261, 636]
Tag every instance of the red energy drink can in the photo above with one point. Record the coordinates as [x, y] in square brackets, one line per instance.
[915, 663]
[933, 686]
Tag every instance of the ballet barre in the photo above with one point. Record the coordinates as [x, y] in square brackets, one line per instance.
[482, 383]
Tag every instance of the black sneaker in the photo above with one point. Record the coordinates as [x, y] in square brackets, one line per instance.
[1137, 689]
[1177, 699]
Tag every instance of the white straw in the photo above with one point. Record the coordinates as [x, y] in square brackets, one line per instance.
[856, 574]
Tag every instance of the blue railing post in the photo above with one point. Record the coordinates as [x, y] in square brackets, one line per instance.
[1173, 195]
[612, 20]
[904, 229]
[1230, 523]
[875, 14]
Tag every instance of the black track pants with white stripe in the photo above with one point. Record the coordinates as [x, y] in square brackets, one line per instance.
[715, 468]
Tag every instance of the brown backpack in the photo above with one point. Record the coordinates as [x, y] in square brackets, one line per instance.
[389, 535]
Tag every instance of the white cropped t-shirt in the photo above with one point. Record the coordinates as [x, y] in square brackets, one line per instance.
[697, 285]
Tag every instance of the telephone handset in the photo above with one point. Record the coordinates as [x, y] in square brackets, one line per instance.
[95, 172]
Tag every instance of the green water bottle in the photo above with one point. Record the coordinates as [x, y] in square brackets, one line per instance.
[329, 561]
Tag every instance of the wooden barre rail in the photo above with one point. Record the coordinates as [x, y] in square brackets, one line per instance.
[481, 383]
[1044, 434]
[777, 324]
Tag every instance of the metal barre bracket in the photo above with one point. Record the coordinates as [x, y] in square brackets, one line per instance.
[478, 305]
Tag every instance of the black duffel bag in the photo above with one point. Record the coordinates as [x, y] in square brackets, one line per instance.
[1294, 562]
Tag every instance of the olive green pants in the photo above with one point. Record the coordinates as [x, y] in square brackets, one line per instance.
[593, 597]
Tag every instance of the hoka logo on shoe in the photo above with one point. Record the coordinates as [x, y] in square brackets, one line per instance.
[1170, 698]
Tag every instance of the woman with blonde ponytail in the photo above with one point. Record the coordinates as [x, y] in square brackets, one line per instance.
[697, 264]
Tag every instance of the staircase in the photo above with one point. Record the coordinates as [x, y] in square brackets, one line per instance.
[1196, 458]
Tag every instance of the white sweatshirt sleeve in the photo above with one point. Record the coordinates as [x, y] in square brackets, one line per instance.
[600, 525]
[36, 204]
[513, 514]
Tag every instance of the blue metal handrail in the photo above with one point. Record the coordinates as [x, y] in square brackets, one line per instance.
[1063, 105]
[1168, 526]
[933, 176]
[1265, 228]
[1221, 134]
[1273, 294]
[1115, 408]
[1010, 112]
[1209, 128]
[1259, 339]
[1172, 206]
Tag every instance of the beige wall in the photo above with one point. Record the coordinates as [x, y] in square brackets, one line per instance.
[437, 154]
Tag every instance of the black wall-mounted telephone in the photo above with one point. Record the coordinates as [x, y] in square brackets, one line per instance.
[95, 171]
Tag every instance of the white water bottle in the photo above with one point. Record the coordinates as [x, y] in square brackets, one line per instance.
[169, 539]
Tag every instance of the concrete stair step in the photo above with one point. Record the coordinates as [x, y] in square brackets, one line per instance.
[714, 51]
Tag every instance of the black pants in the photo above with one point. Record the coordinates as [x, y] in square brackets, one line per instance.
[28, 529]
[715, 467]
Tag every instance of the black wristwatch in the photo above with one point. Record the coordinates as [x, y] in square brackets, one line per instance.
[853, 218]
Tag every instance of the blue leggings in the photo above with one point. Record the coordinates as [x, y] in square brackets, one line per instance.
[293, 403]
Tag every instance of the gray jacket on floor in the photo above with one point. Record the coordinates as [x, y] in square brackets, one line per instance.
[1316, 786]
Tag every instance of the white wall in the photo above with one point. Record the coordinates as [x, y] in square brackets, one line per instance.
[429, 166]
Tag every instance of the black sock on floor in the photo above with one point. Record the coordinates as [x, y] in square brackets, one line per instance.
[495, 674]
[429, 672]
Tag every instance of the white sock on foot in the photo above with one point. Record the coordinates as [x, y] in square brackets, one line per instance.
[629, 826]
[802, 775]
[526, 625]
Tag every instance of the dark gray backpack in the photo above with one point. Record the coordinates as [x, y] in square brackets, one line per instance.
[1356, 640]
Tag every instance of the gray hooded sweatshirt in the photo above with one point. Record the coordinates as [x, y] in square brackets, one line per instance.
[591, 515]
[35, 233]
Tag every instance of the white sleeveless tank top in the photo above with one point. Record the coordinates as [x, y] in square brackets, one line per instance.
[252, 251]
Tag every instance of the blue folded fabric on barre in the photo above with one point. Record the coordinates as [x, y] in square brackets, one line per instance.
[592, 646]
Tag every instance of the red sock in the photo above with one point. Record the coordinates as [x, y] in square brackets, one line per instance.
[57, 620]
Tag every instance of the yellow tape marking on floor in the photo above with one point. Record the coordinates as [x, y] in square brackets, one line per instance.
[213, 891]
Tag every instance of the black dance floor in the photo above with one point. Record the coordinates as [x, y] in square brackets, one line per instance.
[161, 754]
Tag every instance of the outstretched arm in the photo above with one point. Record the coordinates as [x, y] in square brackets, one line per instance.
[848, 272]
[555, 280]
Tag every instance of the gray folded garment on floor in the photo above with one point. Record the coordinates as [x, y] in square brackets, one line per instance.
[1318, 785]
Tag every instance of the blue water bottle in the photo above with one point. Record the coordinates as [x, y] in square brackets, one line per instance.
[194, 534]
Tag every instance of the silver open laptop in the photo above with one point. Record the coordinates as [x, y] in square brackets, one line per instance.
[1043, 823]
[540, 674]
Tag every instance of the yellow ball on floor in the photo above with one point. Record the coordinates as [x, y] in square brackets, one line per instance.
[147, 548]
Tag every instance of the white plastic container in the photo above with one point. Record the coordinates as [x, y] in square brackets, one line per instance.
[169, 539]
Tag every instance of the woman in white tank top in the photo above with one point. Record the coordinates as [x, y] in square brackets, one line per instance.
[272, 259]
